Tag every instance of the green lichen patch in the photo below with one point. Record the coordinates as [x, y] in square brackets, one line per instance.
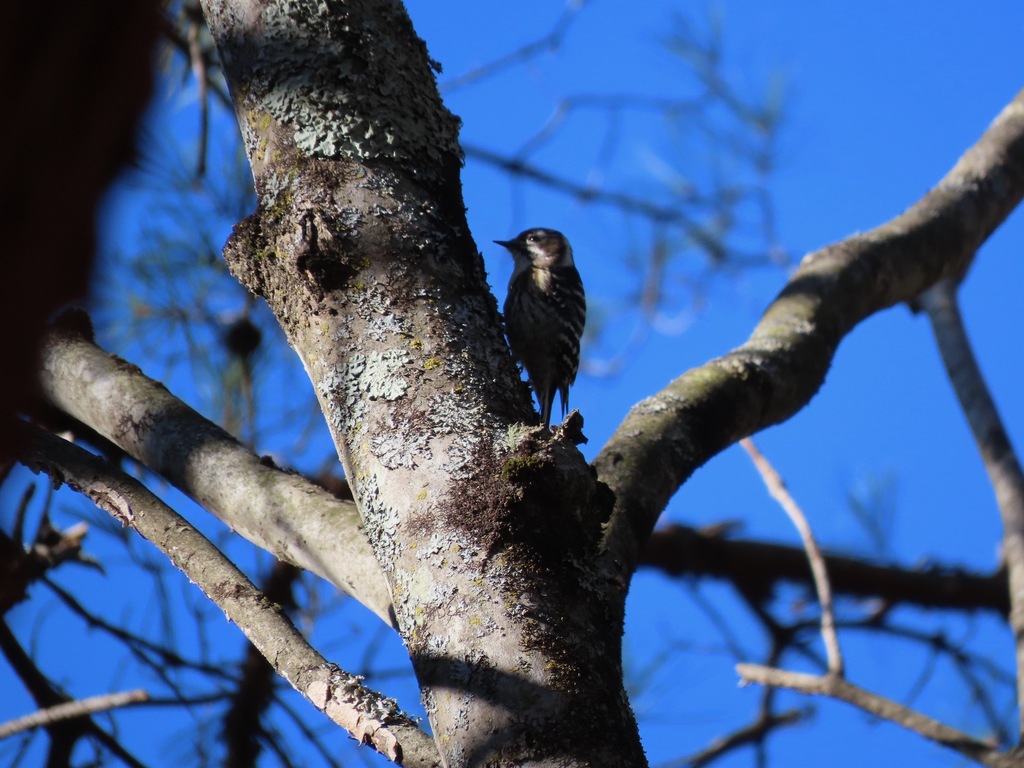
[339, 72]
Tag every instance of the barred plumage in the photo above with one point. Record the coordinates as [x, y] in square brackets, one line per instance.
[545, 312]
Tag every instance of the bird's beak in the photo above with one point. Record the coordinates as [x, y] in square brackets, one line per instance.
[504, 243]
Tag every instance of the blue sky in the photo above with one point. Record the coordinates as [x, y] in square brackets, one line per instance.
[881, 99]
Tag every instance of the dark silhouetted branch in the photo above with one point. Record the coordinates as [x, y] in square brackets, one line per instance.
[758, 567]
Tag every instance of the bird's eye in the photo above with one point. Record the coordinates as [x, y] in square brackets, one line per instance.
[532, 238]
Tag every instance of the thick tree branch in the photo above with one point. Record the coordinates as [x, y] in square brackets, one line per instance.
[279, 511]
[757, 566]
[366, 715]
[244, 726]
[993, 441]
[666, 437]
[837, 688]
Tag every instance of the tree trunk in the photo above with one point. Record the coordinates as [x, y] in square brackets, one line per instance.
[487, 531]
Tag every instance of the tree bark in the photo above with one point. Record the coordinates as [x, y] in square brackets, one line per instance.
[485, 530]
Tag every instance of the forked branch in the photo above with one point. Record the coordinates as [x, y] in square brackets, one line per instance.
[666, 437]
[273, 509]
[367, 716]
[836, 687]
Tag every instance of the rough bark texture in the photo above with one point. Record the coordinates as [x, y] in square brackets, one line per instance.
[281, 512]
[484, 530]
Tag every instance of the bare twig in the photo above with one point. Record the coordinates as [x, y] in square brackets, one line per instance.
[64, 733]
[180, 41]
[20, 567]
[368, 716]
[18, 532]
[753, 733]
[71, 710]
[550, 41]
[970, 666]
[994, 445]
[836, 687]
[674, 215]
[777, 489]
[160, 659]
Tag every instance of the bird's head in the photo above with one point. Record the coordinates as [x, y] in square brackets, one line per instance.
[539, 248]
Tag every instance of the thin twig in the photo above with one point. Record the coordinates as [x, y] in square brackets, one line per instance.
[158, 658]
[838, 688]
[997, 453]
[753, 733]
[197, 59]
[623, 201]
[71, 710]
[64, 734]
[549, 42]
[180, 41]
[777, 489]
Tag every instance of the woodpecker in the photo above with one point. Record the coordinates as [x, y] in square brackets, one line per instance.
[545, 312]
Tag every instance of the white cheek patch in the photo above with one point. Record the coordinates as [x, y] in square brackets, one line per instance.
[542, 279]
